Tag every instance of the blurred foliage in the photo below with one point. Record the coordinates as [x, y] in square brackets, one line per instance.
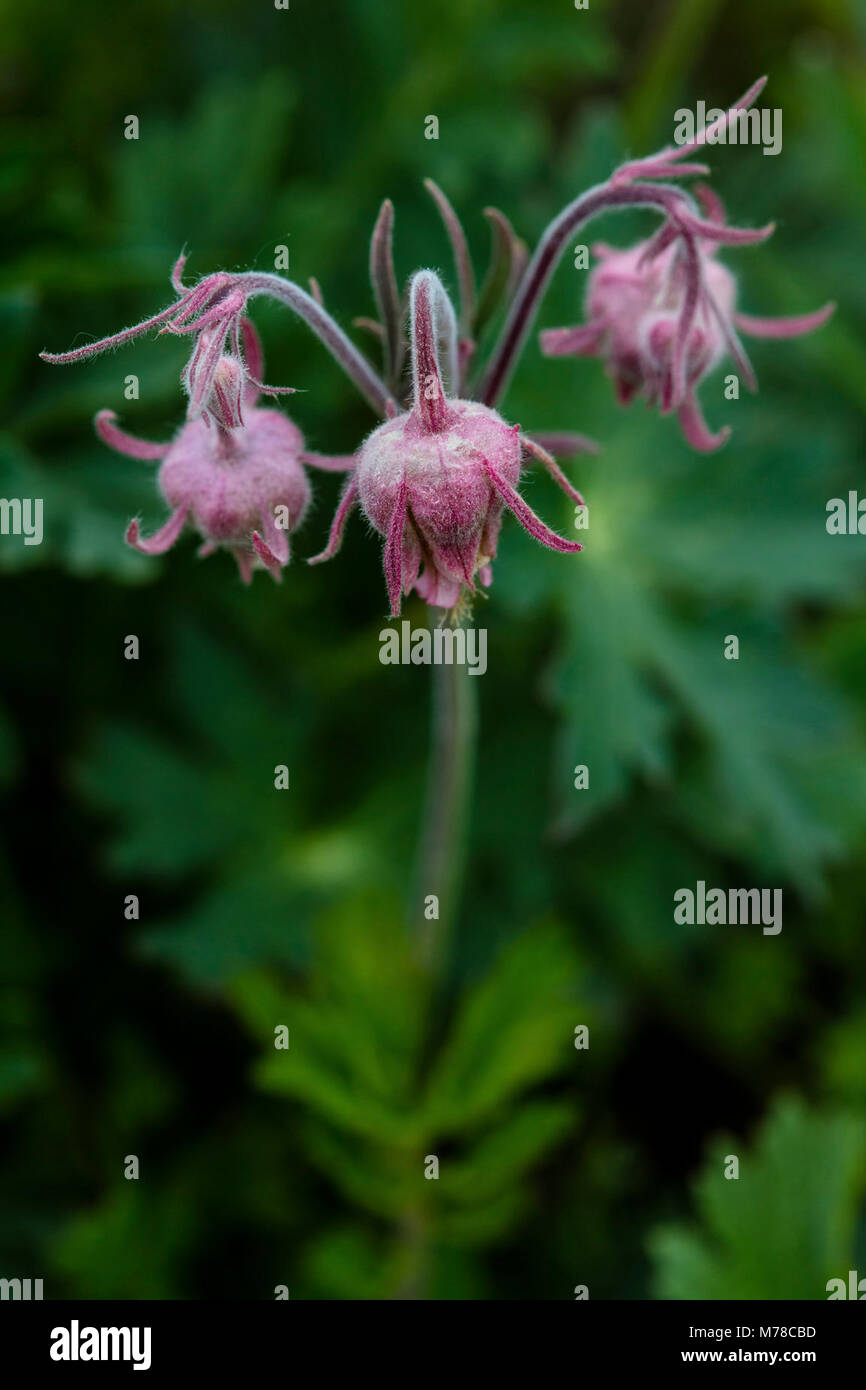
[305, 1167]
[782, 1227]
[378, 1111]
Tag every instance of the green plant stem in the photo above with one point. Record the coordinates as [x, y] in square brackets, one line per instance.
[439, 873]
[442, 847]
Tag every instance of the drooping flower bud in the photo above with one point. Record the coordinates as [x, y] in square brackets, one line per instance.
[662, 315]
[223, 403]
[234, 471]
[239, 481]
[435, 479]
[430, 493]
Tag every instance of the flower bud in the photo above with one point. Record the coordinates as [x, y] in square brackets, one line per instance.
[436, 489]
[435, 479]
[235, 473]
[662, 315]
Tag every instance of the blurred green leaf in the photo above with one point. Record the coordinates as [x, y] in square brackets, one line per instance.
[514, 1027]
[784, 1227]
[93, 1253]
[201, 184]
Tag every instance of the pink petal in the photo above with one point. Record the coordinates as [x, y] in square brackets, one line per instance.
[253, 358]
[116, 340]
[625, 388]
[566, 442]
[695, 429]
[200, 370]
[163, 539]
[525, 515]
[267, 556]
[553, 468]
[572, 342]
[727, 236]
[734, 345]
[335, 539]
[229, 408]
[658, 242]
[177, 273]
[277, 537]
[244, 562]
[667, 162]
[205, 292]
[330, 463]
[272, 390]
[126, 443]
[254, 366]
[437, 589]
[221, 311]
[394, 550]
[689, 253]
[746, 100]
[658, 167]
[710, 202]
[783, 328]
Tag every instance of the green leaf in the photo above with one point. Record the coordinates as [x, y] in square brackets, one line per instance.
[504, 1155]
[784, 1227]
[246, 918]
[512, 1028]
[172, 817]
[93, 1252]
[674, 563]
[233, 141]
[353, 1040]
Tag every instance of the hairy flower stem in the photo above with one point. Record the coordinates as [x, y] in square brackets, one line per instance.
[442, 848]
[354, 364]
[536, 277]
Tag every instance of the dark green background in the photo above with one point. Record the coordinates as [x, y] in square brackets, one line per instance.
[559, 1168]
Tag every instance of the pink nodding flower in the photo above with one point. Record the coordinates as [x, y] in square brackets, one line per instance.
[662, 314]
[234, 471]
[434, 480]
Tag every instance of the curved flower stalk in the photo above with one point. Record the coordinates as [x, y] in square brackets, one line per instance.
[435, 479]
[211, 312]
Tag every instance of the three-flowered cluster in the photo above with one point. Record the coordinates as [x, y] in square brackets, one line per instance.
[436, 477]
